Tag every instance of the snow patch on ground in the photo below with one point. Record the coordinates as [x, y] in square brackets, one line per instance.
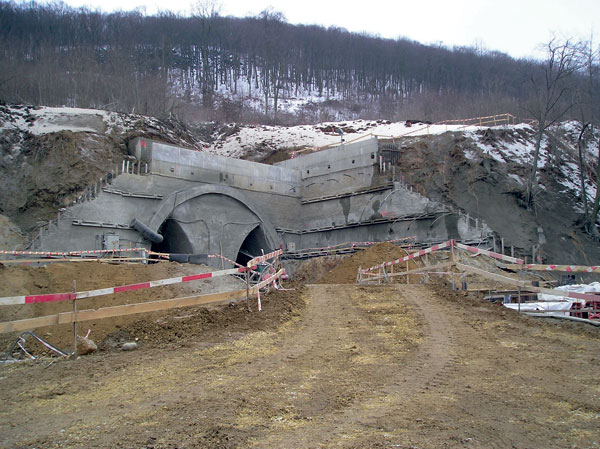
[506, 144]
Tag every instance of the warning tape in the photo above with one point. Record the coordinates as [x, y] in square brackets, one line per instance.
[448, 244]
[218, 256]
[351, 245]
[265, 257]
[492, 254]
[414, 255]
[567, 268]
[268, 280]
[78, 253]
[32, 299]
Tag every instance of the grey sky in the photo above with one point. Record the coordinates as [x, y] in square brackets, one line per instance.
[516, 27]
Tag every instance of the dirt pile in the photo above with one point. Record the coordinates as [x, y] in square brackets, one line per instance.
[344, 269]
[59, 277]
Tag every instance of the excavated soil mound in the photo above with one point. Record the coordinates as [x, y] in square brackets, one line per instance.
[59, 277]
[343, 270]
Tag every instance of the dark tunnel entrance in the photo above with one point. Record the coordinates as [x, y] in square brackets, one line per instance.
[175, 239]
[252, 245]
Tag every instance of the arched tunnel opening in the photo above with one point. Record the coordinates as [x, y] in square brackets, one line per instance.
[175, 240]
[252, 246]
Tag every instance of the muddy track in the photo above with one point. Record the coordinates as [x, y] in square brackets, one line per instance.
[349, 366]
[405, 376]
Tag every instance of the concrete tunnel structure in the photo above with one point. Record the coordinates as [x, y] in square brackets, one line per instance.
[191, 202]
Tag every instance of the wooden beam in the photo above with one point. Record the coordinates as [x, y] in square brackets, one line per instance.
[587, 310]
[493, 276]
[527, 285]
[121, 310]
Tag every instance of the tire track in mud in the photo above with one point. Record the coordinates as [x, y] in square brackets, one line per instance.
[379, 391]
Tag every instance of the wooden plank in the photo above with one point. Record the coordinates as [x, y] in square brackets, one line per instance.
[28, 323]
[121, 310]
[564, 317]
[560, 311]
[493, 276]
[527, 285]
[421, 270]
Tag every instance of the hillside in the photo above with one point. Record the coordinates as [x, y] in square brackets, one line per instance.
[252, 70]
[49, 155]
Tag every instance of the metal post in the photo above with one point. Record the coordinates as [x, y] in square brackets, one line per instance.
[519, 292]
[502, 245]
[123, 166]
[385, 275]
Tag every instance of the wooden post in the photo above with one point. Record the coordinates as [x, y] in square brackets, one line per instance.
[248, 290]
[74, 318]
[453, 266]
[407, 275]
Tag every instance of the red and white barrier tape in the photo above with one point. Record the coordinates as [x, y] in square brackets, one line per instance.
[263, 258]
[78, 253]
[448, 244]
[31, 299]
[353, 245]
[490, 254]
[567, 268]
[218, 256]
[268, 280]
[414, 255]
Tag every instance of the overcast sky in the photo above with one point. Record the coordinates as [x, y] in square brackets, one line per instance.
[516, 27]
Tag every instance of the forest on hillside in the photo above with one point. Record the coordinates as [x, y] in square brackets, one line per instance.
[252, 69]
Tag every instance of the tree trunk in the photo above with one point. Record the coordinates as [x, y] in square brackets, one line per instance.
[536, 157]
[591, 224]
[580, 142]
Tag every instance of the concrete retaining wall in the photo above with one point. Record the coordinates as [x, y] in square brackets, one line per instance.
[209, 204]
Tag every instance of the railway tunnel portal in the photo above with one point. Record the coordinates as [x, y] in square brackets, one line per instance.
[190, 202]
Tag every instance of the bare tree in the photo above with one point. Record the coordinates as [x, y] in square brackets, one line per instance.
[206, 11]
[551, 87]
[588, 115]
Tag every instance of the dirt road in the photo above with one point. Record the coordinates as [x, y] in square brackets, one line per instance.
[335, 366]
